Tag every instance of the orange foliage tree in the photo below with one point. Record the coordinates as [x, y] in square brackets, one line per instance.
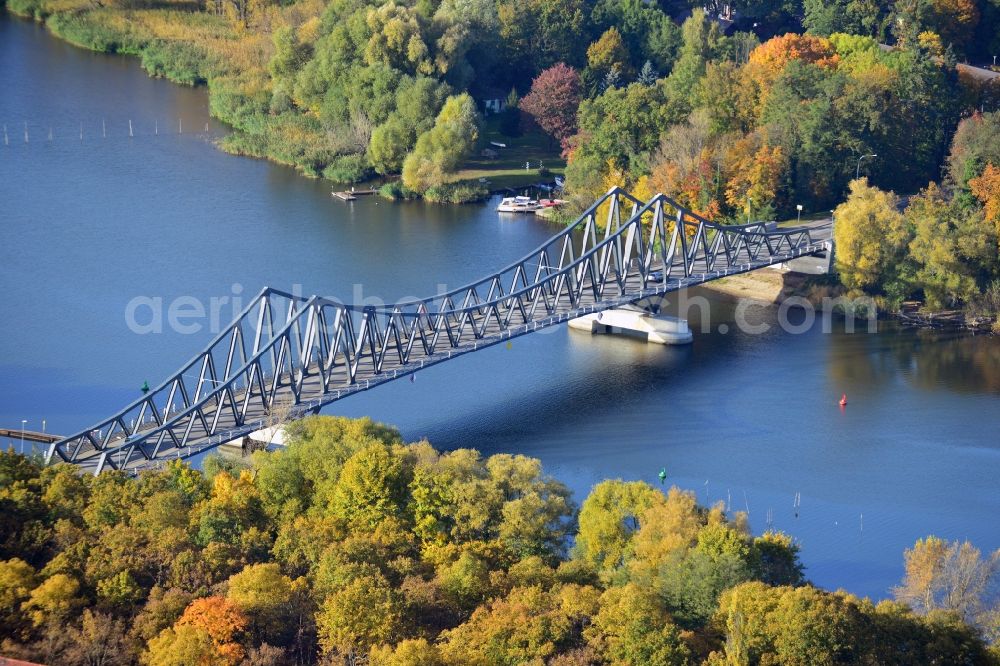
[691, 184]
[986, 188]
[755, 173]
[222, 620]
[768, 60]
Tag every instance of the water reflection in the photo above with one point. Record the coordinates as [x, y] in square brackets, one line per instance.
[928, 359]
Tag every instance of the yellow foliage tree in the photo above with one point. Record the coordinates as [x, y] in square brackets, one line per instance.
[608, 53]
[870, 235]
[54, 600]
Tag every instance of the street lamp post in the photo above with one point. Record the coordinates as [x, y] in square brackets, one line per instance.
[857, 172]
[23, 423]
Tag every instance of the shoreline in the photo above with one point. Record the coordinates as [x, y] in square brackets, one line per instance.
[235, 91]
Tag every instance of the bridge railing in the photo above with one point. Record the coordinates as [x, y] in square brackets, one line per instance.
[252, 329]
[323, 342]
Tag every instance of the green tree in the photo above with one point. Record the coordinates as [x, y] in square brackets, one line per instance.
[858, 17]
[700, 42]
[418, 101]
[440, 150]
[950, 248]
[537, 34]
[371, 488]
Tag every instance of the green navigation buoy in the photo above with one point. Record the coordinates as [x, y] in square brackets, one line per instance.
[145, 388]
[662, 474]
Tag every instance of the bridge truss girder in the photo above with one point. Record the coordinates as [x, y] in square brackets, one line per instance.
[308, 352]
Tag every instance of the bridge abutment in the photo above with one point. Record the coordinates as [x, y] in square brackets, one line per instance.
[659, 329]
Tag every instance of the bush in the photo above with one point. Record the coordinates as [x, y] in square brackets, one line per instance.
[349, 169]
[177, 61]
[396, 191]
[27, 8]
[87, 31]
[456, 193]
[240, 101]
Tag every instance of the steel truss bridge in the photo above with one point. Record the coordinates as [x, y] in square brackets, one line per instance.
[293, 355]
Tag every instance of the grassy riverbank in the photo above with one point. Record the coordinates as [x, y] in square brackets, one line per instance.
[507, 169]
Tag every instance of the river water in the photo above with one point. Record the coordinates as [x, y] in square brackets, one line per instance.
[87, 225]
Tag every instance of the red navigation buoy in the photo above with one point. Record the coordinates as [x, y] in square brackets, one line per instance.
[843, 400]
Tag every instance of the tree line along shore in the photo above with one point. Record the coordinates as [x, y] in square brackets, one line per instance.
[738, 116]
[350, 546]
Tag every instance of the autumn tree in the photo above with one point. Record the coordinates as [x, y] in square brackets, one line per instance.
[609, 518]
[364, 613]
[528, 624]
[208, 632]
[553, 101]
[632, 628]
[268, 599]
[953, 576]
[986, 188]
[955, 21]
[608, 54]
[687, 167]
[756, 171]
[871, 237]
[53, 601]
[768, 60]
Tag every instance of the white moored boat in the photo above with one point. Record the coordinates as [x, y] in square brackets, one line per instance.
[518, 205]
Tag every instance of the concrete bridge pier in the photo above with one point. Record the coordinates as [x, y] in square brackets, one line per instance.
[634, 322]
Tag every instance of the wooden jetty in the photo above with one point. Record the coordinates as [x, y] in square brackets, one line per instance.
[352, 194]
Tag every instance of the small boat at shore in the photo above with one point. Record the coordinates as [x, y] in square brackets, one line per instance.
[518, 205]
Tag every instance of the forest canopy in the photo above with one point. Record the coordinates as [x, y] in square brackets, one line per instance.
[350, 546]
[778, 99]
